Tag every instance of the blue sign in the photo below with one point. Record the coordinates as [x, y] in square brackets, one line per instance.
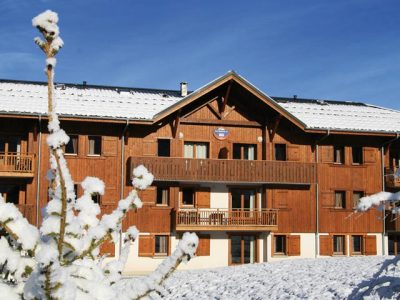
[221, 133]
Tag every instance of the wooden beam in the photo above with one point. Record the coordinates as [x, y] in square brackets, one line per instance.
[199, 107]
[228, 111]
[214, 111]
[175, 124]
[273, 127]
[225, 99]
[221, 122]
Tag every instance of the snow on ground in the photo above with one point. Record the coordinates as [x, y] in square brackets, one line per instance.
[374, 277]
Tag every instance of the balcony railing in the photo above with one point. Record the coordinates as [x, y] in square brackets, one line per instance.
[226, 220]
[16, 165]
[391, 181]
[227, 170]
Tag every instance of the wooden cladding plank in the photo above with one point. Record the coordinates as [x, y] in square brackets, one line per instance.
[326, 154]
[370, 244]
[109, 145]
[203, 249]
[293, 152]
[149, 147]
[369, 155]
[280, 199]
[203, 197]
[146, 245]
[107, 248]
[327, 199]
[325, 245]
[293, 245]
[149, 195]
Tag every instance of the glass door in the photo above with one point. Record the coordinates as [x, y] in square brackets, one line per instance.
[243, 249]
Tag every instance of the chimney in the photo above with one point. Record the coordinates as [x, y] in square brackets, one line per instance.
[84, 83]
[184, 91]
[294, 97]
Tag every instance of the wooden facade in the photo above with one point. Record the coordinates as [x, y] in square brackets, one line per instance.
[290, 176]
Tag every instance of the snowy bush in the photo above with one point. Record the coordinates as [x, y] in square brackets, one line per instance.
[61, 259]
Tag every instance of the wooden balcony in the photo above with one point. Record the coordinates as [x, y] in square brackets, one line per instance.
[226, 170]
[16, 165]
[28, 211]
[226, 220]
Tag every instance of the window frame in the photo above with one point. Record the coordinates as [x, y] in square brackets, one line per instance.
[283, 244]
[342, 155]
[161, 141]
[194, 144]
[361, 252]
[343, 200]
[242, 147]
[343, 237]
[77, 145]
[100, 146]
[160, 194]
[167, 242]
[362, 194]
[359, 153]
[193, 191]
[283, 146]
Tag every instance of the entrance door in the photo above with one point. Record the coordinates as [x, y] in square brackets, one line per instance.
[243, 249]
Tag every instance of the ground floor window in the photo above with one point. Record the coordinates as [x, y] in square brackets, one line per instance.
[243, 249]
[394, 244]
[10, 193]
[357, 244]
[338, 244]
[279, 244]
[161, 245]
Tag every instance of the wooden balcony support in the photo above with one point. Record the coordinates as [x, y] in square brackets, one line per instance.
[226, 220]
[227, 170]
[16, 165]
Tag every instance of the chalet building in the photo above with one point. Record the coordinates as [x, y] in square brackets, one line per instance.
[259, 178]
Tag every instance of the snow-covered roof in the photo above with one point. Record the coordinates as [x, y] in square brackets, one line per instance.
[342, 115]
[18, 97]
[85, 101]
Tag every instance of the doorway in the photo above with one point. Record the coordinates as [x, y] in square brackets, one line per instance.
[242, 199]
[242, 249]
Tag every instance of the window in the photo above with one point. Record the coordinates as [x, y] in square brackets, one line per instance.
[162, 196]
[161, 245]
[357, 155]
[72, 146]
[244, 151]
[10, 193]
[188, 196]
[280, 151]
[357, 243]
[195, 150]
[338, 244]
[96, 197]
[280, 244]
[164, 147]
[356, 198]
[94, 145]
[338, 154]
[340, 199]
[76, 190]
[10, 144]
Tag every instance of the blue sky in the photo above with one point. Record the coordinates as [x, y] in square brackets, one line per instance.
[341, 50]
